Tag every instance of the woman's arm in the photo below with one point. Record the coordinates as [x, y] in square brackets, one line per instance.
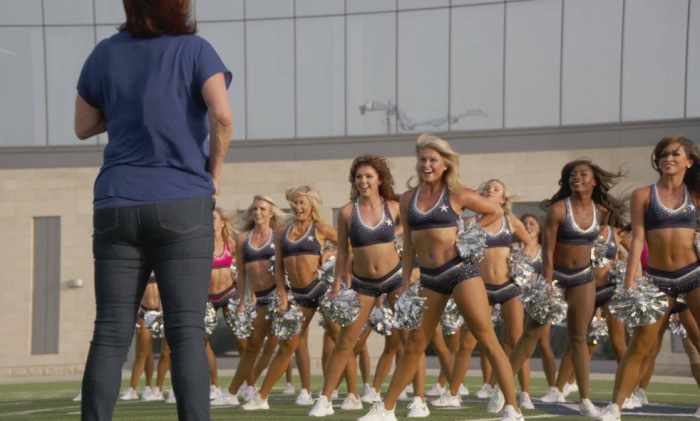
[241, 278]
[279, 269]
[489, 211]
[551, 227]
[342, 258]
[89, 121]
[408, 256]
[634, 259]
[221, 123]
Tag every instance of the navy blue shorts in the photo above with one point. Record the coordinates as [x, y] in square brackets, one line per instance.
[445, 278]
[377, 287]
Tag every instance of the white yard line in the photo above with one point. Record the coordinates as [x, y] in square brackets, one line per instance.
[35, 411]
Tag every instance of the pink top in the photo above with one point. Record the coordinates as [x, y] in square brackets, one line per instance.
[224, 260]
[645, 256]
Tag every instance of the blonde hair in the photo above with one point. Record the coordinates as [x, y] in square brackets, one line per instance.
[227, 231]
[507, 205]
[278, 216]
[311, 194]
[451, 175]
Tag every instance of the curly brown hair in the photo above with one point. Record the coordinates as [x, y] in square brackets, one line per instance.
[380, 164]
[692, 174]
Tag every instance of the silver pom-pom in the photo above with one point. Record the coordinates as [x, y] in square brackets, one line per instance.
[640, 306]
[398, 244]
[543, 302]
[496, 317]
[409, 308]
[598, 251]
[597, 331]
[322, 323]
[471, 242]
[343, 309]
[381, 320]
[521, 269]
[234, 271]
[451, 319]
[271, 269]
[240, 324]
[616, 275]
[287, 324]
[154, 323]
[326, 272]
[677, 329]
[209, 319]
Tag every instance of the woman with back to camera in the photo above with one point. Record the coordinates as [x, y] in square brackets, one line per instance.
[255, 246]
[664, 215]
[369, 224]
[153, 195]
[495, 271]
[571, 227]
[298, 248]
[429, 214]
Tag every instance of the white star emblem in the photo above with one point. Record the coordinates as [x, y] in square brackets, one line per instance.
[272, 246]
[311, 238]
[389, 223]
[443, 208]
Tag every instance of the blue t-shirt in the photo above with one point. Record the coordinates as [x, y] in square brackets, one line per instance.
[150, 91]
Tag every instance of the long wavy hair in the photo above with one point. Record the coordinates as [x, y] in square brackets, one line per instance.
[152, 18]
[278, 216]
[228, 231]
[314, 198]
[537, 220]
[381, 166]
[507, 205]
[605, 180]
[692, 174]
[451, 175]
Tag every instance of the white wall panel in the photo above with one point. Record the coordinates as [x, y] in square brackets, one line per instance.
[320, 75]
[22, 108]
[693, 87]
[261, 9]
[467, 2]
[66, 51]
[219, 10]
[476, 87]
[419, 4]
[653, 68]
[591, 61]
[533, 44]
[361, 6]
[270, 79]
[109, 11]
[319, 7]
[423, 69]
[20, 12]
[68, 12]
[371, 71]
[227, 40]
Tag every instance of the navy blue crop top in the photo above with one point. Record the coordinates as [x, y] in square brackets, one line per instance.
[362, 235]
[439, 216]
[658, 216]
[611, 254]
[569, 232]
[307, 244]
[265, 252]
[503, 238]
[537, 262]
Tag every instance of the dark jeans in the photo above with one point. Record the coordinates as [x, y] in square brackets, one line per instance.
[175, 240]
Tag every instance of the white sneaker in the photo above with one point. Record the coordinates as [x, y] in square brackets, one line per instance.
[510, 414]
[351, 403]
[214, 391]
[418, 408]
[697, 413]
[525, 402]
[365, 388]
[447, 400]
[256, 402]
[642, 396]
[334, 395]
[496, 402]
[304, 398]
[79, 397]
[569, 388]
[588, 409]
[250, 391]
[378, 413]
[242, 390]
[610, 413]
[553, 395]
[171, 397]
[371, 396]
[635, 401]
[146, 391]
[437, 390]
[403, 396]
[129, 395]
[322, 407]
[627, 404]
[225, 399]
[463, 391]
[485, 392]
[289, 389]
[409, 388]
[155, 395]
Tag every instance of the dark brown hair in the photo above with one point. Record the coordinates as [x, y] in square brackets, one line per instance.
[386, 189]
[692, 174]
[539, 224]
[152, 18]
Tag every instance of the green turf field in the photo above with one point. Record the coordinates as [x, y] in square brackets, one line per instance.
[52, 401]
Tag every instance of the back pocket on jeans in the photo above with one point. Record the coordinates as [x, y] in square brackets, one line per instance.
[183, 216]
[105, 220]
